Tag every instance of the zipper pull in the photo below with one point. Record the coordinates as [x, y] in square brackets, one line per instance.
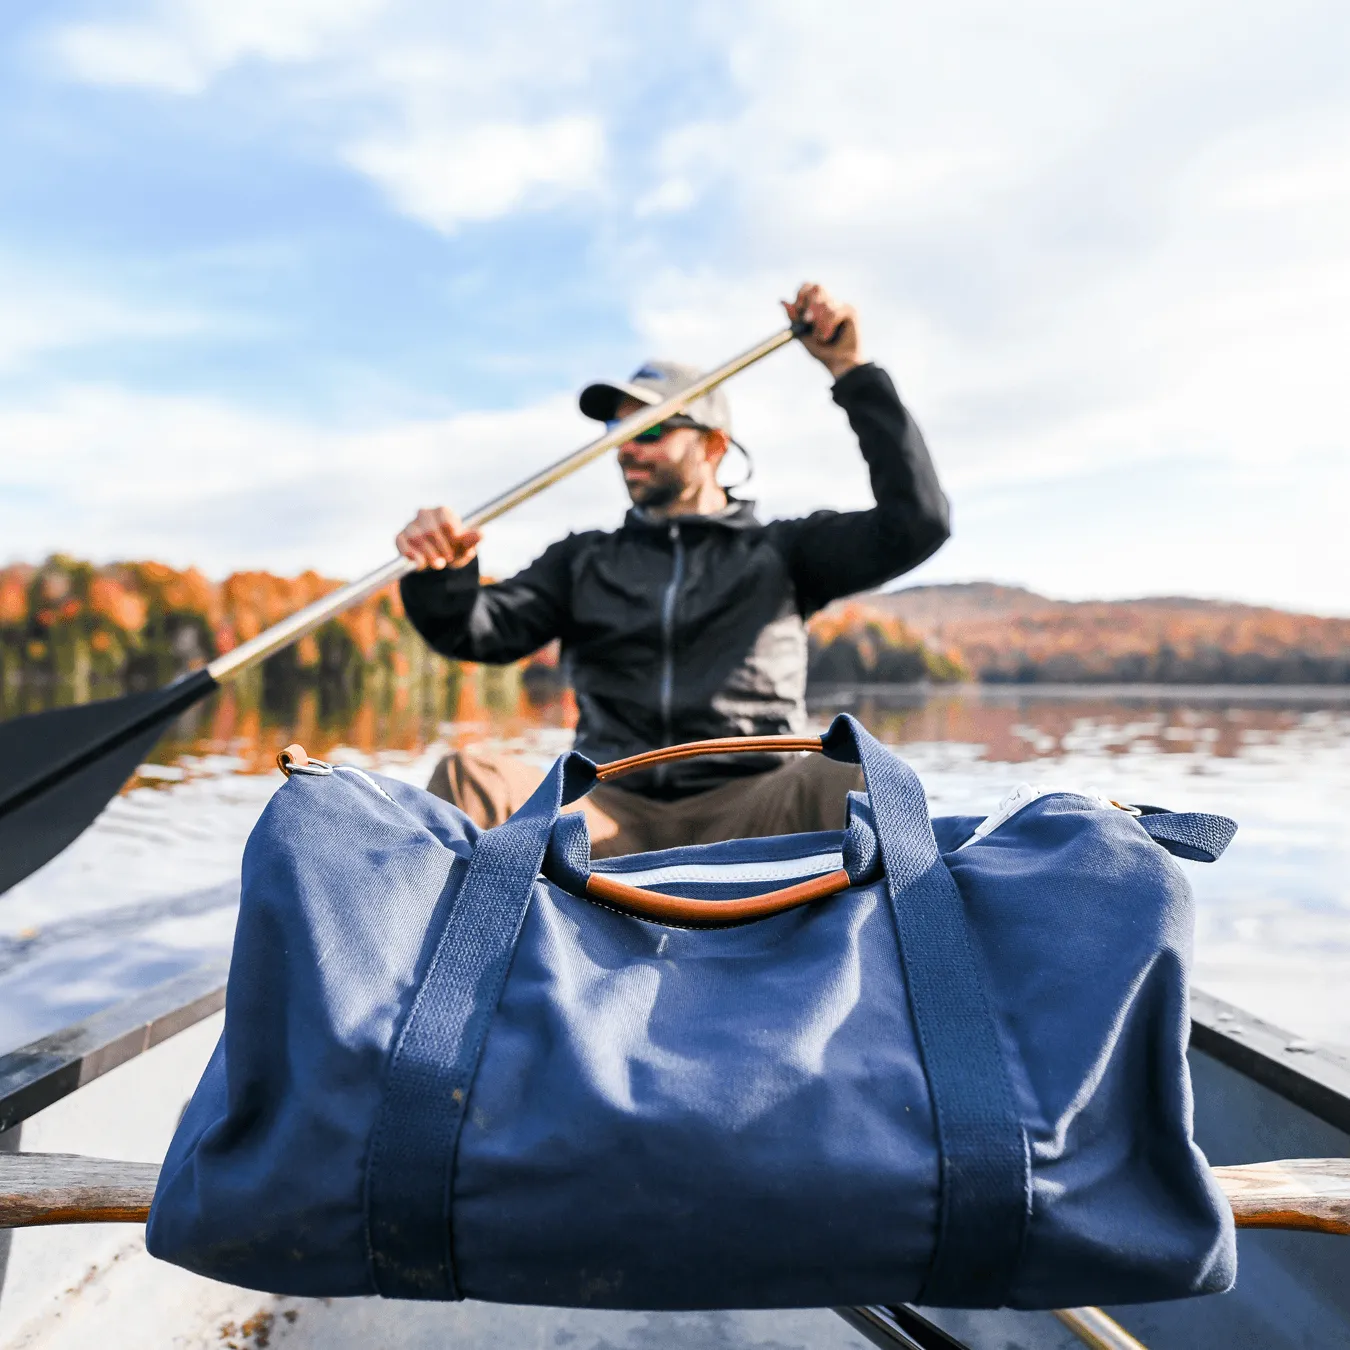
[1023, 795]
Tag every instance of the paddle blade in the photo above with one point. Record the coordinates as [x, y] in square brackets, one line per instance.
[59, 769]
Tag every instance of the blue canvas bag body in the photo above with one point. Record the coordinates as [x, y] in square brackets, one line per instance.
[448, 1071]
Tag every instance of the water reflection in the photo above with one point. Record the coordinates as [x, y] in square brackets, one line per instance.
[151, 888]
[1005, 726]
[245, 730]
[1273, 915]
[1015, 726]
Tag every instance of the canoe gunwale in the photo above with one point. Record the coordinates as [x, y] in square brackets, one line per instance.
[1301, 1071]
[38, 1074]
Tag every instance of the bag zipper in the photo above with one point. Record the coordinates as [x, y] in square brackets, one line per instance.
[1023, 795]
[668, 643]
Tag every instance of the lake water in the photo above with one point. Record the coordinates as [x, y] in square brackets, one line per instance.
[151, 888]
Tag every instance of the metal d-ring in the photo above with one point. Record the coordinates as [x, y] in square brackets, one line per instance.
[293, 759]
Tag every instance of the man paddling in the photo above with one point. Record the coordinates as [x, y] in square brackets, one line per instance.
[687, 622]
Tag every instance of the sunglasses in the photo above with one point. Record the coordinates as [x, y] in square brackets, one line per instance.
[654, 434]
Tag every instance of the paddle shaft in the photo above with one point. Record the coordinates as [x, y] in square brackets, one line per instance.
[306, 620]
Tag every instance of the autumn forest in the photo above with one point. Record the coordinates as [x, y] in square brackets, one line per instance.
[70, 630]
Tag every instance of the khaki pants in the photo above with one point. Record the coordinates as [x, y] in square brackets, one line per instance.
[807, 793]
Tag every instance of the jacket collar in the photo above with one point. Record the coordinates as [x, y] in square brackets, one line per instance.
[736, 515]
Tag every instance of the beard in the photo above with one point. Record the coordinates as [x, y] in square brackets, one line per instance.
[657, 487]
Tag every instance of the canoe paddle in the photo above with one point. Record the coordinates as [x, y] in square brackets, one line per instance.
[59, 769]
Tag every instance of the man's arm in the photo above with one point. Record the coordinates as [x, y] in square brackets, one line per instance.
[832, 553]
[497, 623]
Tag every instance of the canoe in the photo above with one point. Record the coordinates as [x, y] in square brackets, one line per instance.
[112, 1086]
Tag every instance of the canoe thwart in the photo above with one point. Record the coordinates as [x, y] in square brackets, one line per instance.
[51, 1188]
[47, 1188]
[1307, 1193]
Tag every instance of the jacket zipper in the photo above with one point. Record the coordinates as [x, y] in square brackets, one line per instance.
[668, 644]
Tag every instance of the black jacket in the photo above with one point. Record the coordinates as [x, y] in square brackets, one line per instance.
[686, 629]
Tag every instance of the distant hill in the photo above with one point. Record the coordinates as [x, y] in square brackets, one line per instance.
[924, 607]
[1009, 634]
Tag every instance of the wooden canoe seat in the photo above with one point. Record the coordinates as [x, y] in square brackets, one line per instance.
[51, 1188]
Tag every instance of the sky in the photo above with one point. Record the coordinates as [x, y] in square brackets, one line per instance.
[275, 273]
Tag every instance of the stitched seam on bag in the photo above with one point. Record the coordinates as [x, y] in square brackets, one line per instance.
[365, 778]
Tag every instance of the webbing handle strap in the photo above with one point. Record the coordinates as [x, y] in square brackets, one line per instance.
[985, 1167]
[410, 1171]
[1197, 835]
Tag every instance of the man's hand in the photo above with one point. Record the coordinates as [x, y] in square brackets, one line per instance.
[436, 537]
[835, 342]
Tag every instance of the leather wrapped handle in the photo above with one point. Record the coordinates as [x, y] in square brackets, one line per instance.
[711, 913]
[673, 909]
[727, 745]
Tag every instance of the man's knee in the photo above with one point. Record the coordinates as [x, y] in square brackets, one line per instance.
[821, 792]
[439, 782]
[486, 786]
[806, 794]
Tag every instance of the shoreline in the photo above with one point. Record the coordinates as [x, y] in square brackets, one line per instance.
[1208, 693]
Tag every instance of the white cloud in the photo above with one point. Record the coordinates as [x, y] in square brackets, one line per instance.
[445, 178]
[1074, 253]
[181, 45]
[43, 314]
[200, 481]
[1081, 238]
[131, 54]
[194, 480]
[466, 127]
[674, 194]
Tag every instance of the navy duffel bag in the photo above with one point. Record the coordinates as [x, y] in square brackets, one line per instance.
[933, 1064]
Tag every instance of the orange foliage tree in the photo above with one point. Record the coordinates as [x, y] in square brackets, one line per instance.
[70, 619]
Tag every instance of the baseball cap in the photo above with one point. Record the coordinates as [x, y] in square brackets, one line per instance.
[653, 382]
